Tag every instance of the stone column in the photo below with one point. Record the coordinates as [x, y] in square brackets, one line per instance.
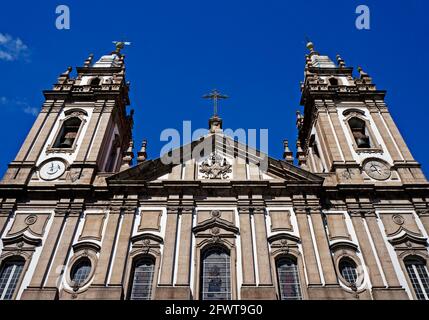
[367, 252]
[165, 289]
[99, 134]
[383, 254]
[167, 264]
[184, 257]
[246, 247]
[107, 248]
[326, 261]
[90, 132]
[308, 248]
[121, 254]
[329, 136]
[345, 146]
[63, 250]
[264, 267]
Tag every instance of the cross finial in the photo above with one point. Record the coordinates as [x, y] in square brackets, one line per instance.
[215, 96]
[120, 45]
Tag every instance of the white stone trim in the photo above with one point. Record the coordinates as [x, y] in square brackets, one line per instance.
[335, 136]
[374, 250]
[254, 249]
[316, 249]
[391, 137]
[177, 248]
[36, 255]
[115, 247]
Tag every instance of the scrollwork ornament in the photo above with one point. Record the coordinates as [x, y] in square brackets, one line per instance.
[398, 219]
[30, 220]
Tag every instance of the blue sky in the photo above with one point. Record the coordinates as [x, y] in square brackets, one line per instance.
[251, 50]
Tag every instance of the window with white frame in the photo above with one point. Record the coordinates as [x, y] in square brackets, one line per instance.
[288, 279]
[348, 270]
[216, 274]
[418, 274]
[80, 272]
[142, 279]
[10, 273]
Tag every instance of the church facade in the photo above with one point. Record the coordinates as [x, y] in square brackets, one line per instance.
[215, 219]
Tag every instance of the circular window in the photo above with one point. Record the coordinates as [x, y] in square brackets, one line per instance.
[348, 270]
[80, 272]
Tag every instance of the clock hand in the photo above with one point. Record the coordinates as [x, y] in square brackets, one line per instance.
[375, 169]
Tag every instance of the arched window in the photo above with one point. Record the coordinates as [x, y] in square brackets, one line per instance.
[348, 270]
[80, 272]
[95, 82]
[288, 279]
[10, 273]
[215, 274]
[142, 279]
[359, 131]
[418, 274]
[68, 133]
[333, 81]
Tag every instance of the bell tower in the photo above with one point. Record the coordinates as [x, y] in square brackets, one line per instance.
[82, 130]
[346, 130]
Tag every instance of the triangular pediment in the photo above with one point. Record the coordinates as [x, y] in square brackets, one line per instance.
[215, 157]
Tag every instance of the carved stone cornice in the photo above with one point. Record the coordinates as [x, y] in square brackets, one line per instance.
[300, 210]
[69, 208]
[362, 213]
[243, 209]
[422, 212]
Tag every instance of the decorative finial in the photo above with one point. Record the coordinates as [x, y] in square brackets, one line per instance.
[340, 61]
[120, 45]
[287, 154]
[298, 146]
[128, 156]
[300, 154]
[89, 60]
[142, 155]
[310, 44]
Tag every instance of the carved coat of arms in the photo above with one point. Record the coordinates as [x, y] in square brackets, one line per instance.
[215, 167]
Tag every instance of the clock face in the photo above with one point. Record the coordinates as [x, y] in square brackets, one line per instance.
[52, 170]
[377, 170]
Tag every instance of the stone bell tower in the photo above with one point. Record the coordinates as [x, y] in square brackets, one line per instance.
[346, 129]
[82, 130]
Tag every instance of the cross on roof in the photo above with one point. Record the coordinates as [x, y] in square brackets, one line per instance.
[215, 96]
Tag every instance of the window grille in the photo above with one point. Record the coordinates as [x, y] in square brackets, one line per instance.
[288, 279]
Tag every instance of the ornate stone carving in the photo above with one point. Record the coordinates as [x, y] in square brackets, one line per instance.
[398, 219]
[215, 167]
[30, 220]
[216, 214]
